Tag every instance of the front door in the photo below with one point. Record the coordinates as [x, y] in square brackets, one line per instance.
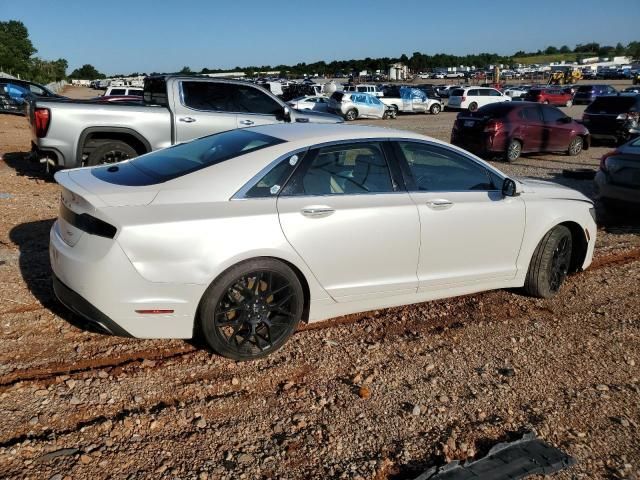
[254, 106]
[348, 220]
[470, 232]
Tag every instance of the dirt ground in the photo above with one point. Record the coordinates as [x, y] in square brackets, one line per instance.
[381, 395]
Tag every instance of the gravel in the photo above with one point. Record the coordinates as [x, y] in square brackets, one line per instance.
[383, 394]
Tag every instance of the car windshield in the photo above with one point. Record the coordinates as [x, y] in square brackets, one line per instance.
[611, 104]
[188, 157]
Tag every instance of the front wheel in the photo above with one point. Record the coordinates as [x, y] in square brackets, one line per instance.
[435, 109]
[575, 147]
[252, 309]
[351, 115]
[550, 263]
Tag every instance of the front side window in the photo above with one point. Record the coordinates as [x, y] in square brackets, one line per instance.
[343, 170]
[438, 169]
[251, 100]
[531, 114]
[495, 93]
[37, 90]
[552, 114]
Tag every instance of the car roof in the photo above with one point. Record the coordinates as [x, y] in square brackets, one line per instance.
[315, 133]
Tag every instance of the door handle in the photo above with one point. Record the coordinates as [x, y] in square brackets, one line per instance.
[187, 119]
[439, 204]
[317, 211]
[246, 122]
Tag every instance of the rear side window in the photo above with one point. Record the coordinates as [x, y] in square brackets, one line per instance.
[186, 158]
[343, 170]
[137, 93]
[271, 183]
[118, 91]
[155, 91]
[530, 114]
[208, 96]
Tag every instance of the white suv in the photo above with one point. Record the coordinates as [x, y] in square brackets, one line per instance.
[473, 98]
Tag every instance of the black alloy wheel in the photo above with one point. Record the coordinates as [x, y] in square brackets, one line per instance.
[252, 309]
[560, 262]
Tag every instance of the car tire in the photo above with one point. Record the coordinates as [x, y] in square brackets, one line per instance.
[351, 115]
[575, 146]
[550, 263]
[111, 151]
[251, 309]
[546, 102]
[473, 106]
[435, 109]
[514, 149]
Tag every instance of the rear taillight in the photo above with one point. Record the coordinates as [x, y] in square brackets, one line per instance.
[462, 99]
[493, 126]
[603, 161]
[42, 116]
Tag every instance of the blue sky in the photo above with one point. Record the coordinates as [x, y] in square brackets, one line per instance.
[161, 35]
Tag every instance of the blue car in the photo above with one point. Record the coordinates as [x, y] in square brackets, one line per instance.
[588, 93]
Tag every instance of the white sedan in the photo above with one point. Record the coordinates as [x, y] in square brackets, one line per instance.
[242, 235]
[317, 103]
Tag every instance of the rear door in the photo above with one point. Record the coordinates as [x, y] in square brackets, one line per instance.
[556, 134]
[533, 129]
[345, 214]
[202, 108]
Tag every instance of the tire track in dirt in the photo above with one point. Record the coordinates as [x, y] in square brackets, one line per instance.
[50, 371]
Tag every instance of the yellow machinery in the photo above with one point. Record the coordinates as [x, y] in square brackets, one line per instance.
[560, 77]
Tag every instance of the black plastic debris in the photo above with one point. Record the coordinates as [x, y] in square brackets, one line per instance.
[506, 461]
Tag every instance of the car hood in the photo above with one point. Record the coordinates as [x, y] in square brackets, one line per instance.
[316, 117]
[546, 189]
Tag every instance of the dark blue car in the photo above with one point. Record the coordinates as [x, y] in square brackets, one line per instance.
[588, 93]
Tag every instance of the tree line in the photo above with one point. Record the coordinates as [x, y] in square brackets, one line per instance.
[17, 57]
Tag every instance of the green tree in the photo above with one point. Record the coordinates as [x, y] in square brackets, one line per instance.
[15, 48]
[619, 50]
[633, 50]
[86, 72]
[551, 50]
[565, 49]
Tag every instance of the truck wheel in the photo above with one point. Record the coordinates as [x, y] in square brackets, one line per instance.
[435, 109]
[351, 115]
[111, 151]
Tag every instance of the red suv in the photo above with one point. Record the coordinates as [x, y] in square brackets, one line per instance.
[554, 96]
[511, 128]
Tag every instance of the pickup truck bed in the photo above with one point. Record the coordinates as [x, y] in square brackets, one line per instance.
[74, 133]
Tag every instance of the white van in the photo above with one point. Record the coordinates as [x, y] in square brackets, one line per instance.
[473, 98]
[364, 88]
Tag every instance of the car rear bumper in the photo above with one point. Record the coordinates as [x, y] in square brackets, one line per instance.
[96, 279]
[604, 189]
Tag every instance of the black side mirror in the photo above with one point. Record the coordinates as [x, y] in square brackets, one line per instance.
[509, 188]
[284, 114]
[565, 120]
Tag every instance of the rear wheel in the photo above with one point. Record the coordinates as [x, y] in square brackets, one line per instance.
[473, 106]
[550, 263]
[351, 115]
[546, 102]
[435, 109]
[514, 149]
[111, 151]
[252, 309]
[575, 146]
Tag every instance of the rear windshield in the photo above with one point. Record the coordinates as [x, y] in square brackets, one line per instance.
[585, 89]
[189, 157]
[458, 92]
[494, 110]
[612, 105]
[337, 96]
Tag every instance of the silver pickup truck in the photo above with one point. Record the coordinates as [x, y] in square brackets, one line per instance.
[75, 133]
